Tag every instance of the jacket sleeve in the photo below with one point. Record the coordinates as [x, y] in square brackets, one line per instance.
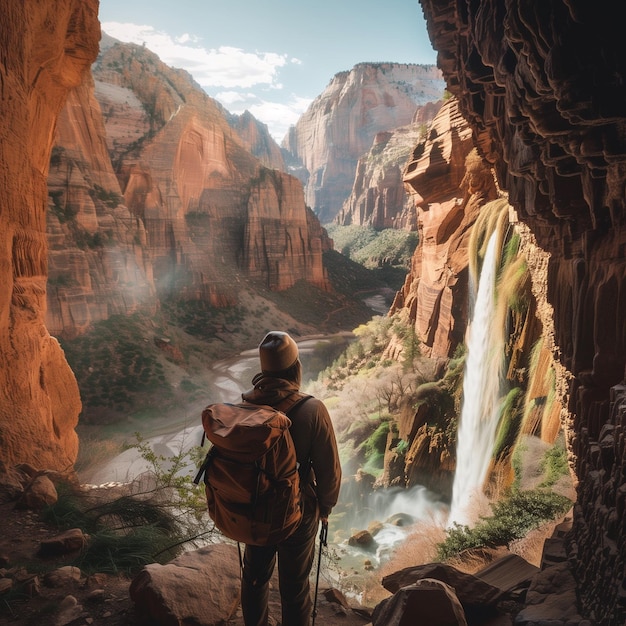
[325, 460]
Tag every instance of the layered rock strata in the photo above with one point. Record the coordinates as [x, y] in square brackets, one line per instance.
[340, 125]
[378, 198]
[46, 50]
[543, 87]
[449, 183]
[172, 205]
[99, 264]
[256, 137]
[207, 204]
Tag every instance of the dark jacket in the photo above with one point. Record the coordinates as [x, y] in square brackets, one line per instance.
[313, 436]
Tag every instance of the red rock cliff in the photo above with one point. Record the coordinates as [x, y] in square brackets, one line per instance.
[378, 198]
[340, 125]
[45, 49]
[99, 264]
[152, 194]
[206, 202]
[449, 184]
[543, 86]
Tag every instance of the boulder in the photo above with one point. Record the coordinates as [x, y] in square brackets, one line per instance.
[69, 541]
[62, 577]
[427, 601]
[40, 493]
[200, 587]
[470, 590]
[551, 599]
[69, 611]
[363, 539]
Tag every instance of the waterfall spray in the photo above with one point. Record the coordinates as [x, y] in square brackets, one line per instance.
[481, 393]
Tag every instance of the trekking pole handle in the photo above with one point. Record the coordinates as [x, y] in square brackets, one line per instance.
[324, 533]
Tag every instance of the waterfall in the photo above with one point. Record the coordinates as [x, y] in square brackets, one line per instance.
[481, 393]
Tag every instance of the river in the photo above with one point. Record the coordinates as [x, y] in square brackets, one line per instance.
[394, 511]
[169, 436]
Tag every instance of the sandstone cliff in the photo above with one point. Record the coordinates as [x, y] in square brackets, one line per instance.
[543, 88]
[378, 198]
[46, 50]
[449, 183]
[99, 263]
[257, 139]
[341, 123]
[173, 204]
[197, 189]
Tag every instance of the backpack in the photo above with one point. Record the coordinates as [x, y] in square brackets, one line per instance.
[251, 475]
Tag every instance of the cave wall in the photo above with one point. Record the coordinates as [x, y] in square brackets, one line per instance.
[543, 87]
[45, 48]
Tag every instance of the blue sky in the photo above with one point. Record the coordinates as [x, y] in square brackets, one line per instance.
[272, 57]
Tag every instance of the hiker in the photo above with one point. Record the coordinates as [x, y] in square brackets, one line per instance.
[320, 472]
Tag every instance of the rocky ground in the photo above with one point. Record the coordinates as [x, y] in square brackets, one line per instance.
[100, 600]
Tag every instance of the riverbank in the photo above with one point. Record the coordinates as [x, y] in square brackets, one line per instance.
[107, 455]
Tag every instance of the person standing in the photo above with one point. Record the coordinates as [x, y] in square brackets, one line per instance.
[320, 472]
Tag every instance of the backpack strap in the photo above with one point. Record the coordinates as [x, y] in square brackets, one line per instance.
[290, 403]
[205, 464]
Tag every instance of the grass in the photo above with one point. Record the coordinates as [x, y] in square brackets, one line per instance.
[124, 534]
[554, 464]
[146, 521]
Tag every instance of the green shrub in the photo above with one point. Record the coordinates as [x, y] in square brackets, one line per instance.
[140, 526]
[374, 248]
[114, 365]
[554, 464]
[373, 449]
[512, 518]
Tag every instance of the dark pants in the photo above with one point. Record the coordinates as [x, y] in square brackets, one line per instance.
[295, 559]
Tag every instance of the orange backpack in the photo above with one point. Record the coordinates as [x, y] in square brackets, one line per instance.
[250, 473]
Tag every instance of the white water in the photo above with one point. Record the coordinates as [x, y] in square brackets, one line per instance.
[231, 377]
[481, 394]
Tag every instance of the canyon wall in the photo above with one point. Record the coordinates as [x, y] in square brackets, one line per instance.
[340, 125]
[153, 195]
[256, 137]
[543, 87]
[99, 263]
[449, 184]
[202, 196]
[46, 49]
[378, 198]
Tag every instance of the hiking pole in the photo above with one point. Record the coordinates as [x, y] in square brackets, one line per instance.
[323, 542]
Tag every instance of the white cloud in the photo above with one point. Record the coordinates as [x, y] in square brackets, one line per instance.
[215, 67]
[236, 72]
[278, 116]
[231, 98]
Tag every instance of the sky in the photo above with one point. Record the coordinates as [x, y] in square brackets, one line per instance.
[271, 57]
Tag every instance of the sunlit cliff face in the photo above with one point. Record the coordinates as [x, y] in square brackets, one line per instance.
[45, 50]
[543, 86]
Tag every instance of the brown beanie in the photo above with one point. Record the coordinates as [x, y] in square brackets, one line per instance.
[277, 352]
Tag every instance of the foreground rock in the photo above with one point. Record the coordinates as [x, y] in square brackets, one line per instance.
[427, 601]
[45, 50]
[200, 587]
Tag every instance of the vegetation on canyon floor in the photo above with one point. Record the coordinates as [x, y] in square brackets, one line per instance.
[157, 514]
[133, 364]
[387, 251]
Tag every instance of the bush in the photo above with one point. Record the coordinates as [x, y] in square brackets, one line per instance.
[554, 465]
[142, 525]
[512, 518]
